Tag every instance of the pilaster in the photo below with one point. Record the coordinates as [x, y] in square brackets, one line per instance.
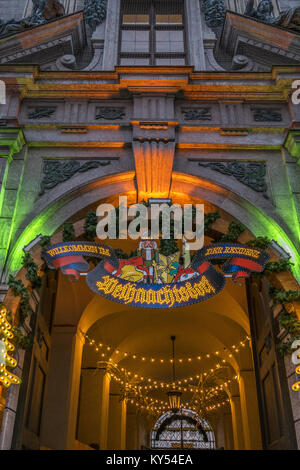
[110, 54]
[59, 417]
[195, 35]
[11, 171]
[250, 411]
[153, 144]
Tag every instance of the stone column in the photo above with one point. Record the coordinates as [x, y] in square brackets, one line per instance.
[153, 144]
[11, 174]
[237, 422]
[89, 410]
[228, 432]
[292, 145]
[131, 428]
[93, 410]
[110, 54]
[117, 422]
[250, 412]
[59, 417]
[104, 410]
[195, 36]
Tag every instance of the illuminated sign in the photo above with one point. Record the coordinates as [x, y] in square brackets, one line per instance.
[152, 280]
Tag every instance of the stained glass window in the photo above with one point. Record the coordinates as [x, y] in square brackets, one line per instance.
[182, 430]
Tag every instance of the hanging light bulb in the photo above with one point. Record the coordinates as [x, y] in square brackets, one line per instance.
[174, 395]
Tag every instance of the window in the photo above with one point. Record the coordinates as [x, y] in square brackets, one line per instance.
[182, 429]
[152, 33]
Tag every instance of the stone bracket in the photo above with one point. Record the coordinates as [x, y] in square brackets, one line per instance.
[11, 142]
[153, 163]
[292, 144]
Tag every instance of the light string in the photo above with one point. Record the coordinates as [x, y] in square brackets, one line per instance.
[6, 378]
[192, 387]
[106, 350]
[133, 393]
[157, 408]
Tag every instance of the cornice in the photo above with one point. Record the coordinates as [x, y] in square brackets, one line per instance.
[31, 82]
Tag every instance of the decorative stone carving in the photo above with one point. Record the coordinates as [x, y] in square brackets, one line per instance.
[67, 61]
[263, 12]
[197, 114]
[41, 112]
[242, 62]
[95, 12]
[56, 171]
[110, 114]
[250, 174]
[289, 19]
[153, 165]
[214, 12]
[266, 115]
[43, 11]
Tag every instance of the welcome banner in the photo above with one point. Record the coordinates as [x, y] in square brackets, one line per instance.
[196, 283]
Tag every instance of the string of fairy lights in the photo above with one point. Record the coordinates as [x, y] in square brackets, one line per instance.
[137, 387]
[107, 350]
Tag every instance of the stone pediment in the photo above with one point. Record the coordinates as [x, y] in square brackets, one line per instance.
[45, 43]
[263, 44]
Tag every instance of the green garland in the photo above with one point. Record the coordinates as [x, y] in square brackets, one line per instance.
[31, 271]
[287, 321]
[284, 296]
[24, 310]
[210, 219]
[90, 225]
[291, 325]
[68, 234]
[235, 229]
[45, 242]
[260, 242]
[280, 266]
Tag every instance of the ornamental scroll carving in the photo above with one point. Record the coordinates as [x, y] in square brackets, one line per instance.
[110, 114]
[41, 112]
[214, 12]
[197, 114]
[266, 115]
[250, 174]
[56, 171]
[95, 12]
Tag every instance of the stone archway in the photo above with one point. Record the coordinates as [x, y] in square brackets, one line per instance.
[71, 323]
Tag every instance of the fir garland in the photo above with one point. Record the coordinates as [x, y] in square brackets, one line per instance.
[291, 325]
[90, 225]
[235, 229]
[284, 296]
[31, 271]
[260, 242]
[24, 341]
[210, 219]
[68, 234]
